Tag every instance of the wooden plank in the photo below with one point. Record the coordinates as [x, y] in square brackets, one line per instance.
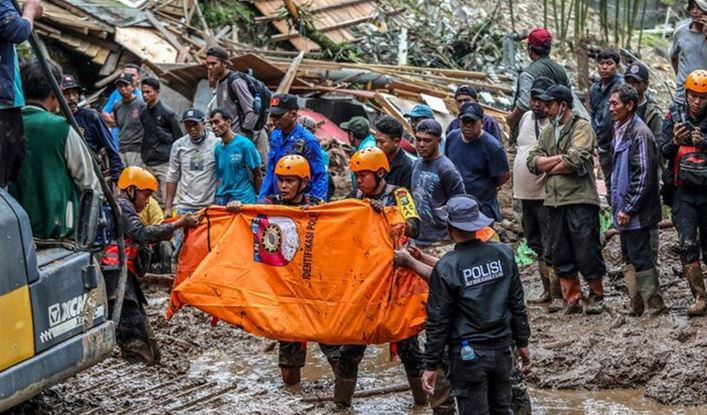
[286, 81]
[313, 10]
[347, 23]
[110, 64]
[157, 25]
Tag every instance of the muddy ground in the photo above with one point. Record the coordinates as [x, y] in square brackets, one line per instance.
[208, 370]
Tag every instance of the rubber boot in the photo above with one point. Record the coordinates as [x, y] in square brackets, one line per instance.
[290, 375]
[594, 302]
[543, 270]
[557, 302]
[693, 274]
[343, 391]
[649, 288]
[570, 293]
[418, 394]
[634, 294]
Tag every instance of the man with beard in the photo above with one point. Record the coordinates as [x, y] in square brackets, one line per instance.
[94, 129]
[529, 190]
[564, 152]
[126, 114]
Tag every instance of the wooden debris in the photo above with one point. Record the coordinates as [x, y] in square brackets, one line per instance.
[362, 394]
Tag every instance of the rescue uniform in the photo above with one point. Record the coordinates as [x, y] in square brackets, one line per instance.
[138, 237]
[476, 296]
[294, 354]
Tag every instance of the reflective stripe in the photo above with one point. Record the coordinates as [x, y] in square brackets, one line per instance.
[111, 256]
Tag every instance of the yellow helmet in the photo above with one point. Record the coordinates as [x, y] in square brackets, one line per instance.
[293, 165]
[369, 159]
[138, 177]
[697, 81]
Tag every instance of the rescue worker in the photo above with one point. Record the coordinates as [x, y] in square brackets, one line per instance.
[636, 208]
[94, 129]
[476, 310]
[134, 335]
[684, 145]
[564, 152]
[290, 137]
[293, 182]
[370, 165]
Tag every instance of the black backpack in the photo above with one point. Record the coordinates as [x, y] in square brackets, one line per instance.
[261, 97]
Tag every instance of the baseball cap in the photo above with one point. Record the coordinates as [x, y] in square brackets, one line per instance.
[466, 90]
[471, 110]
[357, 125]
[429, 126]
[193, 114]
[69, 82]
[281, 103]
[420, 111]
[637, 71]
[540, 85]
[540, 37]
[124, 78]
[218, 52]
[557, 93]
[462, 212]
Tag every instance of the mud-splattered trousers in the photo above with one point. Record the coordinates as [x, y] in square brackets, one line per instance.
[293, 354]
[690, 219]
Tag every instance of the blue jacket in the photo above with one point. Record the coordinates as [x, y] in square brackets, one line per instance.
[98, 136]
[599, 108]
[634, 177]
[13, 30]
[282, 146]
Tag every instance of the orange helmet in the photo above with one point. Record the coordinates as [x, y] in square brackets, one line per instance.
[697, 81]
[369, 159]
[293, 165]
[138, 177]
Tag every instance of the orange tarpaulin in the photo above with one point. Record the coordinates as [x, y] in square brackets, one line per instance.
[321, 273]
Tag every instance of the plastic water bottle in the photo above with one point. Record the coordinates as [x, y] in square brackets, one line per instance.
[467, 351]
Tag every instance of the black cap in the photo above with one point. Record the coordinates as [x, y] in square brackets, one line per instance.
[557, 93]
[69, 82]
[193, 114]
[218, 52]
[429, 126]
[471, 110]
[637, 71]
[282, 103]
[124, 78]
[466, 90]
[540, 85]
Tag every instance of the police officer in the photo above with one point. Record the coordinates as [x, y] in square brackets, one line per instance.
[476, 309]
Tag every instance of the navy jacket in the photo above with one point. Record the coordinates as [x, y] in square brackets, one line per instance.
[599, 108]
[475, 295]
[634, 177]
[98, 137]
[13, 30]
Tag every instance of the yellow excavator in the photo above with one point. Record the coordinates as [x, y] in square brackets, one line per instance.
[54, 318]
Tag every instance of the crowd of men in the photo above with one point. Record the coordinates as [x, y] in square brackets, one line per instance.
[444, 180]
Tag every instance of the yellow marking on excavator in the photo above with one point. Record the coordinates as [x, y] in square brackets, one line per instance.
[16, 327]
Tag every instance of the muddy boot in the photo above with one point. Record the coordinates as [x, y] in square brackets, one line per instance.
[290, 375]
[543, 270]
[594, 302]
[418, 395]
[557, 302]
[570, 293]
[693, 274]
[634, 295]
[649, 288]
[343, 391]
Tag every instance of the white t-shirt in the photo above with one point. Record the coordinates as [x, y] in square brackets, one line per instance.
[526, 185]
[193, 168]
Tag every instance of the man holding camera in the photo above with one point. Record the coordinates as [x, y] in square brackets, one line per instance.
[685, 147]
